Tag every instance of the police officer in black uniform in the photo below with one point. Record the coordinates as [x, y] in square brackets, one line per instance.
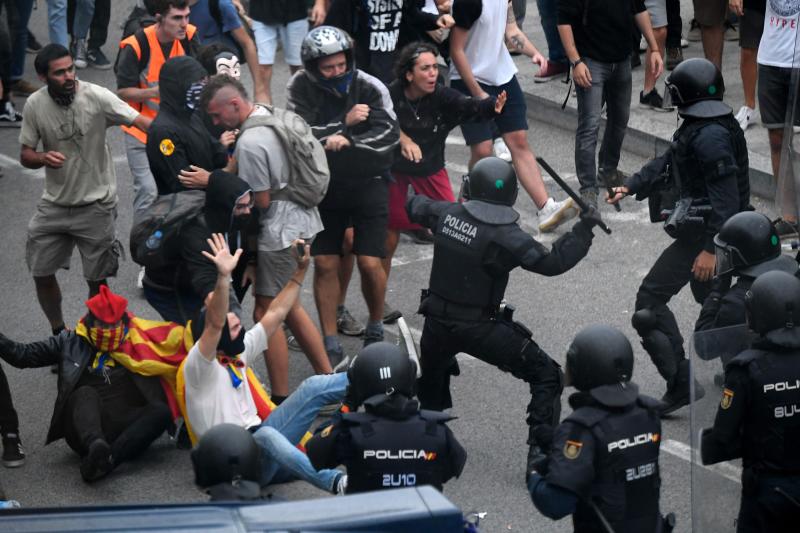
[758, 418]
[747, 245]
[476, 244]
[604, 465]
[227, 464]
[391, 443]
[700, 182]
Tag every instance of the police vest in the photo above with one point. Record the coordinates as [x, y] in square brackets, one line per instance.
[389, 453]
[693, 174]
[459, 272]
[145, 44]
[772, 422]
[626, 477]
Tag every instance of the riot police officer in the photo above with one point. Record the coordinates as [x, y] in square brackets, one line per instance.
[757, 418]
[604, 465]
[747, 245]
[476, 244]
[227, 463]
[700, 182]
[391, 443]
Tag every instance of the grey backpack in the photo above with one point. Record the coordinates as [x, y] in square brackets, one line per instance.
[308, 166]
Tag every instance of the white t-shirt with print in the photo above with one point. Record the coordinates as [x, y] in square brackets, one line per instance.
[211, 398]
[778, 46]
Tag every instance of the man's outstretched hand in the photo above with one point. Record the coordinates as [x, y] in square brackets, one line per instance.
[303, 257]
[220, 254]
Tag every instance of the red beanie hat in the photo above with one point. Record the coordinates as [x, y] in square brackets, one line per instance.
[107, 306]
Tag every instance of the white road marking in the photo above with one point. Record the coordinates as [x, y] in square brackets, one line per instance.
[12, 162]
[684, 451]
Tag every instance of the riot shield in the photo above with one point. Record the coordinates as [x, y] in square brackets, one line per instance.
[405, 339]
[787, 190]
[715, 488]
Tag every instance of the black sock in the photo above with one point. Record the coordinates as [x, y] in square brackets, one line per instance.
[277, 400]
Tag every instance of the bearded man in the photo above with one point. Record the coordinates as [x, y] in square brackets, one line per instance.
[79, 204]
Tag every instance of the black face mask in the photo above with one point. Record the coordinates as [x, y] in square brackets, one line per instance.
[240, 223]
[228, 346]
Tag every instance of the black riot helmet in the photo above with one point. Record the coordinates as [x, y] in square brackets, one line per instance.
[491, 180]
[599, 355]
[696, 87]
[747, 244]
[324, 41]
[226, 453]
[773, 305]
[381, 369]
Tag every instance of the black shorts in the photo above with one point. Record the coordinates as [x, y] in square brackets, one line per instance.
[366, 209]
[751, 26]
[773, 96]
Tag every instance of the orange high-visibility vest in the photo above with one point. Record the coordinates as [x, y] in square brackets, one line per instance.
[149, 76]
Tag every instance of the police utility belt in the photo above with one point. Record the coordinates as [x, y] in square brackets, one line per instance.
[435, 306]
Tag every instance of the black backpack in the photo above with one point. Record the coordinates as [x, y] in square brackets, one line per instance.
[156, 230]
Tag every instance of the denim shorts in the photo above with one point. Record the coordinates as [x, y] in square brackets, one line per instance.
[291, 36]
[513, 118]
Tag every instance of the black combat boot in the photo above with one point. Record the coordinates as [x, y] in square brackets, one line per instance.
[678, 393]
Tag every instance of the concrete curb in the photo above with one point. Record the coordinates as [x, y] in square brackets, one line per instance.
[636, 141]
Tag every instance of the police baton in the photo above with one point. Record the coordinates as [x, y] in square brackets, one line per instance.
[561, 183]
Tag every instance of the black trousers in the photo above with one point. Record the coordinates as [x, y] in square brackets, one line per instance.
[98, 29]
[767, 505]
[674, 24]
[129, 430]
[670, 273]
[499, 343]
[9, 422]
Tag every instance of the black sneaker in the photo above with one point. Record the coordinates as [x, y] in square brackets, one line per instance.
[9, 116]
[13, 454]
[654, 101]
[97, 59]
[98, 462]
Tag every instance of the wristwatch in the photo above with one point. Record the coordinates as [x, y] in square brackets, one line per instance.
[576, 62]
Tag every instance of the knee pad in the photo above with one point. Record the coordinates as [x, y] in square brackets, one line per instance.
[644, 320]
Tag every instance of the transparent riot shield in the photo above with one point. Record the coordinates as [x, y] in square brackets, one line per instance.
[787, 193]
[405, 339]
[715, 488]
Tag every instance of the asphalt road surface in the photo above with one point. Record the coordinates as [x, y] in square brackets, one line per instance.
[490, 405]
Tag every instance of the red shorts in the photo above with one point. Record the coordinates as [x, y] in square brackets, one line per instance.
[436, 187]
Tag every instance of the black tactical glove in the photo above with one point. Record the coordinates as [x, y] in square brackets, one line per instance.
[591, 216]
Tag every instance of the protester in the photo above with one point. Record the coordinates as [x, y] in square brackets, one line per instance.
[79, 204]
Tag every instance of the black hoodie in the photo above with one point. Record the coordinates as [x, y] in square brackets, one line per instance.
[177, 138]
[189, 269]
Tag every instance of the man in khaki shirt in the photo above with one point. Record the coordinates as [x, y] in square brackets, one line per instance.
[78, 207]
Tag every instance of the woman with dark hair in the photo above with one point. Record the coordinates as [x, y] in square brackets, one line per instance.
[426, 111]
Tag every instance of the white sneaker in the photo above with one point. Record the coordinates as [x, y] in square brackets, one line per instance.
[80, 54]
[744, 116]
[341, 485]
[501, 150]
[555, 213]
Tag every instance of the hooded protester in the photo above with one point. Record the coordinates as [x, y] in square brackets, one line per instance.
[110, 404]
[177, 290]
[177, 139]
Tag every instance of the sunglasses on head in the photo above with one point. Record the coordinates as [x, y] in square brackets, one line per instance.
[226, 360]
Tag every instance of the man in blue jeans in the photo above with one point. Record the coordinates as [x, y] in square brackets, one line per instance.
[599, 53]
[219, 390]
